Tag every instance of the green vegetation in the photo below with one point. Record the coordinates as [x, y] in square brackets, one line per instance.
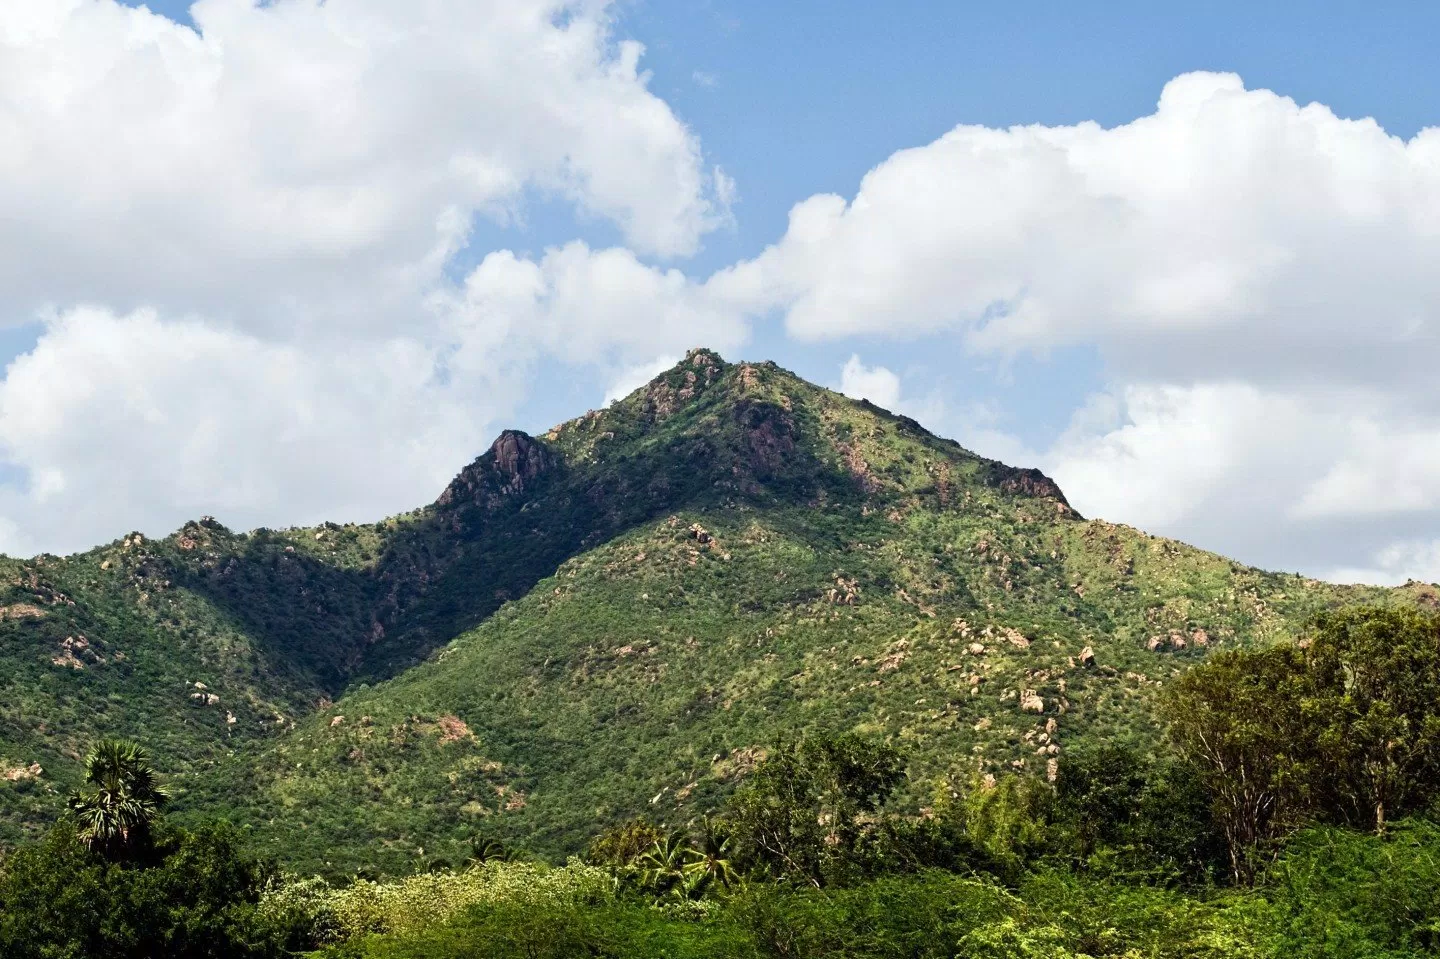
[122, 802]
[626, 608]
[1344, 727]
[794, 675]
[1122, 856]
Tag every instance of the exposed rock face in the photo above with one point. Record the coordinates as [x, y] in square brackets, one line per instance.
[518, 459]
[1032, 482]
[1015, 637]
[769, 435]
[514, 460]
[14, 774]
[21, 611]
[671, 390]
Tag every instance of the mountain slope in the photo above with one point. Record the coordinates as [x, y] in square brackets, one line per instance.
[729, 554]
[207, 639]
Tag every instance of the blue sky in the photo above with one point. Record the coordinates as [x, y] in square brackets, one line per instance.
[793, 103]
[808, 100]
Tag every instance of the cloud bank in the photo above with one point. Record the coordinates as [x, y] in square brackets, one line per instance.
[240, 239]
[1252, 271]
[242, 242]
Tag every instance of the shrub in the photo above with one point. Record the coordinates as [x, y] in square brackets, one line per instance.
[193, 896]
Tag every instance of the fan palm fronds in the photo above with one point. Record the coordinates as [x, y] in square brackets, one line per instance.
[121, 801]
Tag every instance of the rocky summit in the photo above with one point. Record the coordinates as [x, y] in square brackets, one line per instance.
[619, 616]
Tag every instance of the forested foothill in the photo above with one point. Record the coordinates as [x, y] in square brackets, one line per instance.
[1289, 811]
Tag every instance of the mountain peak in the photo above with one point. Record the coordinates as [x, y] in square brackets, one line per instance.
[702, 356]
[513, 460]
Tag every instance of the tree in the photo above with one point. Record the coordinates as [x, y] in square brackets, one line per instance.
[123, 798]
[194, 895]
[1117, 808]
[1374, 697]
[710, 864]
[1097, 794]
[663, 868]
[1239, 719]
[620, 846]
[809, 807]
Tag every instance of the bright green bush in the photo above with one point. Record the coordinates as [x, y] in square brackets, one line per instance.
[412, 904]
[1339, 894]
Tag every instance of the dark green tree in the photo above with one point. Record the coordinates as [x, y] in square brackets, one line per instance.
[121, 799]
[191, 895]
[1239, 719]
[712, 862]
[620, 846]
[807, 811]
[1374, 699]
[1117, 808]
[663, 869]
[1097, 795]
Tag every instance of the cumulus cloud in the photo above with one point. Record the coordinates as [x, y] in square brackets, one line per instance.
[631, 378]
[1228, 216]
[269, 208]
[1318, 480]
[266, 210]
[142, 420]
[1254, 274]
[578, 303]
[124, 421]
[1395, 564]
[874, 383]
[302, 162]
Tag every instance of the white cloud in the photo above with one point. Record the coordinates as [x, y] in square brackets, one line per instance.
[265, 211]
[121, 422]
[631, 378]
[312, 163]
[582, 305]
[1163, 457]
[1395, 564]
[286, 187]
[873, 383]
[139, 421]
[1256, 277]
[1230, 220]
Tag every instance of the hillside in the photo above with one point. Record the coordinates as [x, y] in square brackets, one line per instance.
[725, 555]
[207, 639]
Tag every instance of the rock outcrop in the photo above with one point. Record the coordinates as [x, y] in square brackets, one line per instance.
[1032, 482]
[511, 465]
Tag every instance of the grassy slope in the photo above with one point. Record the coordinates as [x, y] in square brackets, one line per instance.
[273, 624]
[848, 562]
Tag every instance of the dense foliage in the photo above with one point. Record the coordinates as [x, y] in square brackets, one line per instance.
[727, 555]
[798, 677]
[1123, 855]
[1344, 727]
[188, 895]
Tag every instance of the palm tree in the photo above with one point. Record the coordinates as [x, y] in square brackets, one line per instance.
[123, 798]
[710, 864]
[674, 867]
[661, 868]
[489, 850]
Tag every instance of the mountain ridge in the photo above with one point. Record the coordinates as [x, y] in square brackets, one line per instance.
[775, 504]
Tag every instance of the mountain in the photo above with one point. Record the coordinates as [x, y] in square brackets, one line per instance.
[730, 554]
[612, 618]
